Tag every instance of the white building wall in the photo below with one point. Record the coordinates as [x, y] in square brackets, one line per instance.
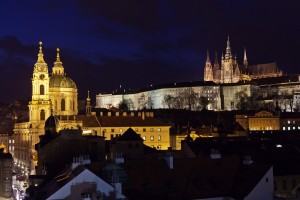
[157, 96]
[84, 177]
[264, 189]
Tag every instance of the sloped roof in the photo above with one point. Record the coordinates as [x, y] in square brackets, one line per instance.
[263, 68]
[129, 135]
[89, 121]
[191, 178]
[121, 121]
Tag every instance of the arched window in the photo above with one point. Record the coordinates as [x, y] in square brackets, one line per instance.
[71, 105]
[42, 89]
[63, 105]
[42, 115]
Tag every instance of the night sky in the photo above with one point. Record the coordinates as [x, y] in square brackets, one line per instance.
[135, 43]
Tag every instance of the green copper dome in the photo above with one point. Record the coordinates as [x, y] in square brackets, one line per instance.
[61, 82]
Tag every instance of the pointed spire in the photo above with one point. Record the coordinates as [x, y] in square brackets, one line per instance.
[207, 57]
[40, 55]
[58, 68]
[228, 49]
[216, 64]
[57, 55]
[245, 58]
[88, 104]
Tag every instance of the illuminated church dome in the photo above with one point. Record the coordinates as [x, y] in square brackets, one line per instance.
[61, 81]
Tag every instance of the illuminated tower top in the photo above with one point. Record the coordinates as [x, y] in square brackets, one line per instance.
[88, 105]
[228, 50]
[245, 58]
[58, 68]
[41, 55]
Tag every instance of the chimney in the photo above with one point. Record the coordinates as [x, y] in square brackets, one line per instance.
[215, 154]
[247, 160]
[170, 161]
[118, 187]
[119, 159]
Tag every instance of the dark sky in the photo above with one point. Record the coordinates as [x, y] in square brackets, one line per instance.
[135, 43]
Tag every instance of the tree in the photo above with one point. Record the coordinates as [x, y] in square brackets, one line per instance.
[203, 103]
[168, 100]
[243, 101]
[126, 105]
[123, 105]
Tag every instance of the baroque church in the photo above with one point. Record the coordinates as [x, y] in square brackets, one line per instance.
[231, 72]
[52, 94]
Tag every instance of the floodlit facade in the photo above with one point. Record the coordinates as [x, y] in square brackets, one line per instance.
[264, 121]
[52, 94]
[231, 72]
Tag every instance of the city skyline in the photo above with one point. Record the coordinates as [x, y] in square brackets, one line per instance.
[105, 44]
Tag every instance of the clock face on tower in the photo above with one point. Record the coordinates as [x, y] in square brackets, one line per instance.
[42, 76]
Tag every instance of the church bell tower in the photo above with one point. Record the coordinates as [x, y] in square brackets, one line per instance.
[40, 104]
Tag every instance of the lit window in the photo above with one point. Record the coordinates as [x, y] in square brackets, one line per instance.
[159, 138]
[289, 121]
[289, 128]
[136, 129]
[158, 130]
[294, 128]
[9, 141]
[151, 138]
[121, 130]
[159, 147]
[144, 138]
[151, 129]
[298, 127]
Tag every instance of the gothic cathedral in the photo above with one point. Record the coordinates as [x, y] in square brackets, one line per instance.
[231, 72]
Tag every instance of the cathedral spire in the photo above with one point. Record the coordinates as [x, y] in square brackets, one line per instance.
[216, 64]
[41, 55]
[207, 56]
[228, 49]
[58, 68]
[245, 58]
[88, 105]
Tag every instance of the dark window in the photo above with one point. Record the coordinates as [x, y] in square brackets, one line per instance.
[63, 105]
[42, 89]
[144, 130]
[284, 184]
[42, 115]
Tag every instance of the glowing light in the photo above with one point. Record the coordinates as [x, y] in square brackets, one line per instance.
[278, 145]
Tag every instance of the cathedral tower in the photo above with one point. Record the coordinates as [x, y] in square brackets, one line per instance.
[40, 104]
[229, 67]
[208, 70]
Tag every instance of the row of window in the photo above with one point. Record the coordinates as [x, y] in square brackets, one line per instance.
[136, 130]
[290, 128]
[152, 138]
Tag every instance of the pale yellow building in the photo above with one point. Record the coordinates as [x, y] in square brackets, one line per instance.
[155, 133]
[264, 121]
